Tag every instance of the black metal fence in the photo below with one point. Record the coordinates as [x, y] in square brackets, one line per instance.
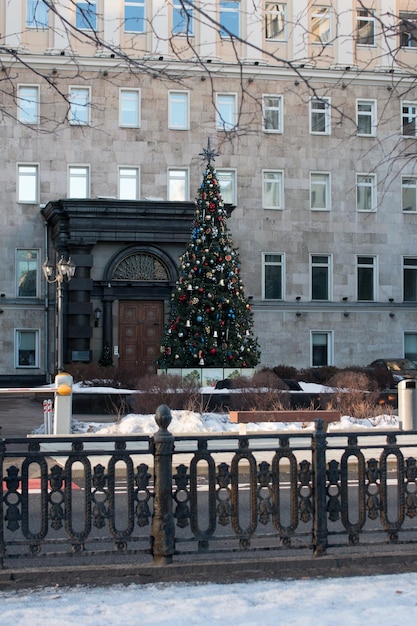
[163, 497]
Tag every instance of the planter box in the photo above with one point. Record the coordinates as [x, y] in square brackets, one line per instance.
[208, 376]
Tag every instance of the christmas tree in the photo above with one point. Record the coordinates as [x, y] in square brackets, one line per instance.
[211, 321]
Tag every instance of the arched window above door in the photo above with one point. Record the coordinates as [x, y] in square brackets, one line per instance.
[141, 266]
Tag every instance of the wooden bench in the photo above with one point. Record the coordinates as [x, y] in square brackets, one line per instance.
[249, 417]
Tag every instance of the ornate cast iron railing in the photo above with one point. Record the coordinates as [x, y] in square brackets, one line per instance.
[162, 497]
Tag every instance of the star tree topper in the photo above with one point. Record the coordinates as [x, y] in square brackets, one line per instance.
[208, 154]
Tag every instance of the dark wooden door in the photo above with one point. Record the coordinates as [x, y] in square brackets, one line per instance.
[140, 331]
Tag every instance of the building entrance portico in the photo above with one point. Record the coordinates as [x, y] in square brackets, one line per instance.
[126, 254]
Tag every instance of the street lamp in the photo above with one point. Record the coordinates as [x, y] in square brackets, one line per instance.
[57, 273]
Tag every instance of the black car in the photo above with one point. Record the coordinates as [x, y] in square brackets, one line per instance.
[399, 368]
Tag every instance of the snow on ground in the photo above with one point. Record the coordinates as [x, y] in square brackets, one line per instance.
[193, 422]
[364, 601]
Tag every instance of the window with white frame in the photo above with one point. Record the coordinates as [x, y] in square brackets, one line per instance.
[227, 182]
[408, 30]
[79, 113]
[273, 276]
[409, 119]
[26, 348]
[410, 346]
[321, 25]
[409, 194]
[182, 18]
[275, 21]
[365, 192]
[27, 183]
[365, 27]
[129, 108]
[28, 104]
[134, 16]
[78, 181]
[226, 111]
[319, 191]
[320, 116]
[178, 186]
[366, 274]
[229, 18]
[410, 279]
[366, 117]
[272, 114]
[178, 110]
[37, 13]
[86, 15]
[272, 189]
[129, 183]
[27, 272]
[321, 348]
[320, 276]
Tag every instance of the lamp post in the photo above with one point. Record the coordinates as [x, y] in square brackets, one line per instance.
[57, 273]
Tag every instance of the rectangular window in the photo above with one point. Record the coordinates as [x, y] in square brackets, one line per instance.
[28, 104]
[226, 111]
[410, 346]
[86, 15]
[319, 191]
[408, 30]
[129, 183]
[365, 192]
[28, 184]
[273, 277]
[320, 116]
[134, 16]
[321, 25]
[78, 181]
[409, 119]
[409, 193]
[178, 110]
[27, 273]
[275, 21]
[321, 348]
[229, 18]
[182, 19]
[366, 117]
[129, 108]
[36, 14]
[365, 27]
[178, 188]
[26, 348]
[272, 189]
[410, 279]
[366, 278]
[79, 106]
[320, 277]
[227, 182]
[272, 114]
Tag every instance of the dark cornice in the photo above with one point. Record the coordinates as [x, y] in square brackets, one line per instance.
[88, 221]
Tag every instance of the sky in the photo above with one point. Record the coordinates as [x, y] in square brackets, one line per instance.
[383, 600]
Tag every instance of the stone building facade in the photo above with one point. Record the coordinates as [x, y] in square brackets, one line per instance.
[105, 107]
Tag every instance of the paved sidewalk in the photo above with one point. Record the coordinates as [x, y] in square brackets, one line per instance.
[20, 415]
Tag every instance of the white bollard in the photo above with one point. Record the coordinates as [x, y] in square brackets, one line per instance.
[407, 404]
[63, 404]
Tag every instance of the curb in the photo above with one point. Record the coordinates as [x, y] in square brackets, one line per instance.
[225, 572]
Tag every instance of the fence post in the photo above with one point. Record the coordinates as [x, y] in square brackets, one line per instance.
[318, 445]
[163, 528]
